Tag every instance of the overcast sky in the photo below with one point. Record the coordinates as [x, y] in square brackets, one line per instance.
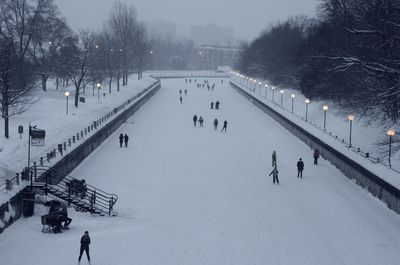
[246, 17]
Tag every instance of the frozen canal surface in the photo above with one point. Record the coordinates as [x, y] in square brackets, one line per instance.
[197, 196]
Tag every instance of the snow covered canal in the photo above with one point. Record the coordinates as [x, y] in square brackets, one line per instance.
[198, 196]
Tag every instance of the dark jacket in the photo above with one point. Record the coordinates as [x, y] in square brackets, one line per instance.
[300, 165]
[121, 138]
[85, 241]
[316, 153]
[195, 118]
[126, 138]
[225, 123]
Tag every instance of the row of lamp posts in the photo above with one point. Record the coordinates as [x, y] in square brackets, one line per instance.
[244, 79]
[67, 94]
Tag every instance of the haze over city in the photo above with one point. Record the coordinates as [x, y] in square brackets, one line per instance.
[246, 18]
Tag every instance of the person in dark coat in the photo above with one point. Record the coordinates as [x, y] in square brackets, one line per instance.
[180, 91]
[212, 105]
[274, 174]
[180, 99]
[85, 242]
[194, 120]
[217, 105]
[185, 92]
[316, 156]
[225, 126]
[274, 159]
[215, 123]
[300, 167]
[126, 139]
[121, 140]
[201, 120]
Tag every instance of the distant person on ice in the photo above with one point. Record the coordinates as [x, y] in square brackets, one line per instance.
[85, 242]
[212, 105]
[225, 126]
[215, 123]
[274, 159]
[180, 99]
[300, 167]
[194, 120]
[217, 105]
[274, 174]
[121, 140]
[180, 91]
[201, 120]
[185, 92]
[126, 139]
[316, 156]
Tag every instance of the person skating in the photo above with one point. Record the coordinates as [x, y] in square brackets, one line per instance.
[212, 105]
[201, 120]
[274, 159]
[121, 140]
[180, 92]
[194, 120]
[126, 139]
[274, 174]
[180, 99]
[316, 156]
[215, 123]
[185, 92]
[217, 105]
[225, 126]
[300, 167]
[85, 242]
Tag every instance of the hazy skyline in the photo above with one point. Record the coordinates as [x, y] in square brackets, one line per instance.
[246, 18]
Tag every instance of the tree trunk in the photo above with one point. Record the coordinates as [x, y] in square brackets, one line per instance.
[109, 84]
[118, 77]
[57, 81]
[93, 89]
[44, 82]
[77, 95]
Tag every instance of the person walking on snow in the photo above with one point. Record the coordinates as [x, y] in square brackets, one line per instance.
[121, 140]
[180, 99]
[126, 139]
[185, 92]
[217, 105]
[180, 92]
[212, 105]
[274, 174]
[316, 156]
[201, 121]
[195, 120]
[274, 159]
[225, 126]
[85, 242]
[215, 123]
[300, 167]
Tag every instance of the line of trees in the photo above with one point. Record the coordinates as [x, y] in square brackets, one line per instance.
[348, 54]
[36, 44]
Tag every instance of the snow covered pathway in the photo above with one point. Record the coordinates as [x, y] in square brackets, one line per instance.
[197, 196]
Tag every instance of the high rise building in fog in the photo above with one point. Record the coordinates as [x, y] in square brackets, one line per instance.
[161, 30]
[212, 35]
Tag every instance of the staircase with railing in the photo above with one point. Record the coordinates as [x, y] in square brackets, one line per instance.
[76, 192]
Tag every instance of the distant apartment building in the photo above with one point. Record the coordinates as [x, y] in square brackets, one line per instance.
[210, 57]
[161, 30]
[211, 35]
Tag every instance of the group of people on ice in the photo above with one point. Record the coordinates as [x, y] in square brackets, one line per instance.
[300, 166]
[216, 105]
[180, 95]
[215, 123]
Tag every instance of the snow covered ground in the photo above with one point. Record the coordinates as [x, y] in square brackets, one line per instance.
[197, 196]
[363, 135]
[49, 113]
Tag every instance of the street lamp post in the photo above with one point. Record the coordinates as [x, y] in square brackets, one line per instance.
[325, 108]
[390, 133]
[282, 97]
[67, 96]
[293, 96]
[351, 118]
[307, 101]
[98, 91]
[273, 94]
[259, 88]
[266, 90]
[249, 84]
[255, 84]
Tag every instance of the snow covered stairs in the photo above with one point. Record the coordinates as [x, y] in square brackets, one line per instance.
[76, 192]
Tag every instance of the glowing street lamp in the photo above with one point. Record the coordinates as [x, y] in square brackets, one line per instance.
[259, 87]
[98, 91]
[350, 118]
[390, 133]
[66, 94]
[266, 90]
[307, 101]
[325, 108]
[282, 91]
[292, 96]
